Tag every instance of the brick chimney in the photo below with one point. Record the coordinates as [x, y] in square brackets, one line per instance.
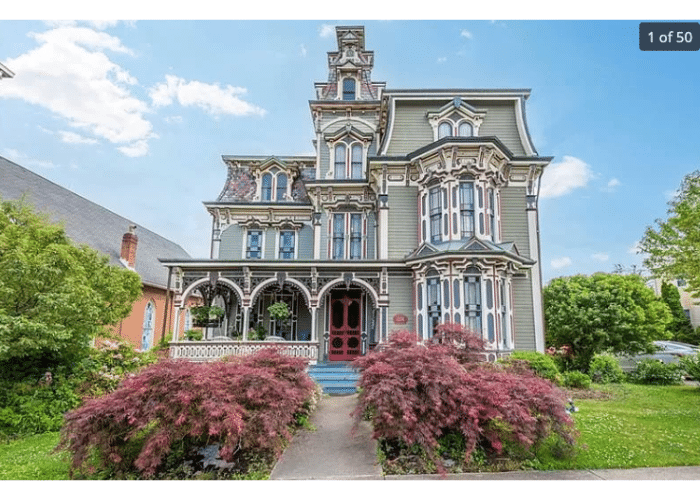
[129, 242]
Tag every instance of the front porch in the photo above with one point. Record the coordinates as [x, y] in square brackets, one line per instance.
[334, 313]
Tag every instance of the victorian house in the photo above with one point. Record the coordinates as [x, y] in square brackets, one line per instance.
[418, 208]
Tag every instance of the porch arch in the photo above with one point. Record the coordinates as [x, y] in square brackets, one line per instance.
[230, 284]
[287, 281]
[354, 281]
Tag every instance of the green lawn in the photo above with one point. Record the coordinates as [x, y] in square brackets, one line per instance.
[639, 426]
[31, 458]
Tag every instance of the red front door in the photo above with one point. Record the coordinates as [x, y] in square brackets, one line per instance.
[346, 330]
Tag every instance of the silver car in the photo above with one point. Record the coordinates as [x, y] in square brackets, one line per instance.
[667, 351]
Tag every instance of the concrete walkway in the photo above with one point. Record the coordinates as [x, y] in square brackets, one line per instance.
[332, 452]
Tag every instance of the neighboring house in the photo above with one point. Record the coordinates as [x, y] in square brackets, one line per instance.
[88, 223]
[691, 306]
[418, 208]
[5, 72]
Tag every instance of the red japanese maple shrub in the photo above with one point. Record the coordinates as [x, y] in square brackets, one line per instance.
[242, 404]
[417, 393]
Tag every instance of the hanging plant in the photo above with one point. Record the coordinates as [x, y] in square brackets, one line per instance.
[279, 311]
[207, 315]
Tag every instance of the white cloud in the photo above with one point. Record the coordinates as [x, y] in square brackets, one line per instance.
[326, 30]
[560, 262]
[70, 74]
[441, 60]
[73, 138]
[24, 160]
[466, 34]
[138, 148]
[634, 249]
[602, 257]
[212, 98]
[303, 50]
[613, 183]
[562, 178]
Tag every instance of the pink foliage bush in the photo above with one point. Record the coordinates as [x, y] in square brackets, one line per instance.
[417, 393]
[240, 403]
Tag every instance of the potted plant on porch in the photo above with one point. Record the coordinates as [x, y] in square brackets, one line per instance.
[207, 315]
[279, 311]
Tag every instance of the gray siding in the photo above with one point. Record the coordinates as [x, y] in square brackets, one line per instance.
[324, 236]
[500, 121]
[403, 221]
[401, 302]
[371, 236]
[306, 243]
[411, 129]
[514, 218]
[523, 317]
[231, 246]
[270, 251]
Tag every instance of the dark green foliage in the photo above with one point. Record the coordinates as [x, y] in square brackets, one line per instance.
[576, 379]
[605, 369]
[655, 372]
[680, 326]
[34, 406]
[603, 312]
[542, 364]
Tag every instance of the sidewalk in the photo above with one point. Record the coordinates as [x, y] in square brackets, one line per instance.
[331, 452]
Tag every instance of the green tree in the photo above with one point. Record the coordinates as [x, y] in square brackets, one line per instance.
[680, 327]
[55, 297]
[673, 249]
[602, 312]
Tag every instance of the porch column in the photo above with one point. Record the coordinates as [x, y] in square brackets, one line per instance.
[314, 334]
[176, 324]
[246, 321]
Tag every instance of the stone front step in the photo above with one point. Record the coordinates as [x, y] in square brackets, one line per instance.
[335, 378]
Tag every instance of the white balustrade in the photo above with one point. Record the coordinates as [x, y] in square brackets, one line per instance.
[209, 350]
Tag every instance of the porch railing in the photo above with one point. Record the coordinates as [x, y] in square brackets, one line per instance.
[208, 350]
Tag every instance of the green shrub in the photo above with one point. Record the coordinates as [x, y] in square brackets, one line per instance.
[691, 366]
[193, 335]
[576, 379]
[543, 365]
[655, 372]
[605, 369]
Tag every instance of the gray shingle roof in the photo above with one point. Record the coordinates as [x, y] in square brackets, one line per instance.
[88, 223]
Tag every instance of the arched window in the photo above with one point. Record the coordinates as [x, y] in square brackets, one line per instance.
[444, 130]
[465, 129]
[273, 182]
[472, 299]
[266, 193]
[348, 161]
[340, 161]
[149, 317]
[356, 162]
[348, 89]
[281, 186]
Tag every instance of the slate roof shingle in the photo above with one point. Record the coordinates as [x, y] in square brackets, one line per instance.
[88, 223]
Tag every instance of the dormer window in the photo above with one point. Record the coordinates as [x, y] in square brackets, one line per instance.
[449, 129]
[348, 161]
[273, 182]
[348, 89]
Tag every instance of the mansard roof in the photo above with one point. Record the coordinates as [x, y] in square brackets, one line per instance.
[462, 140]
[88, 223]
[473, 247]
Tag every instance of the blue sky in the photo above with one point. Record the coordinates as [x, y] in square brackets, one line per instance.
[136, 115]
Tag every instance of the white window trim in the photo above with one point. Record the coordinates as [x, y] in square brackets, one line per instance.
[262, 243]
[341, 87]
[278, 237]
[348, 235]
[348, 159]
[273, 194]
